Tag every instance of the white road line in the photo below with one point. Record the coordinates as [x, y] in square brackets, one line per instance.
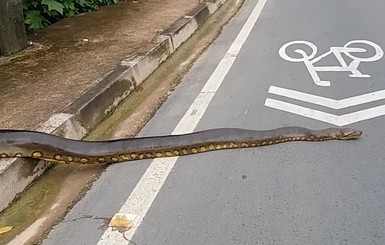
[327, 117]
[145, 192]
[327, 102]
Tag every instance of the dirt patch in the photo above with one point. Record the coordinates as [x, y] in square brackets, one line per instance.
[72, 55]
[46, 201]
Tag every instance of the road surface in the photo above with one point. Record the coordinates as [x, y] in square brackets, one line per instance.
[261, 74]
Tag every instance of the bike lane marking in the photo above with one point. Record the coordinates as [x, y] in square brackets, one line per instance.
[309, 61]
[148, 187]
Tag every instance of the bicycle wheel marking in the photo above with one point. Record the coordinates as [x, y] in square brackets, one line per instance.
[347, 49]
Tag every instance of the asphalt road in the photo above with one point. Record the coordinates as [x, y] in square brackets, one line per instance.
[294, 193]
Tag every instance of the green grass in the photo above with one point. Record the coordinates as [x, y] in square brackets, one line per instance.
[33, 202]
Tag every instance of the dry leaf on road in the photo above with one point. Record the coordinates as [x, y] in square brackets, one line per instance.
[5, 229]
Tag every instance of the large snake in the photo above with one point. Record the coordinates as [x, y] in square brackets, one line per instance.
[32, 144]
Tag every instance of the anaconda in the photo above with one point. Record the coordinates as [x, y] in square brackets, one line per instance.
[32, 144]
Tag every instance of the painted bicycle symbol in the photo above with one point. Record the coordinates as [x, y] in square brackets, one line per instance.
[347, 50]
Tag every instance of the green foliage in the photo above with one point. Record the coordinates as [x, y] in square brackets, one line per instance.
[40, 13]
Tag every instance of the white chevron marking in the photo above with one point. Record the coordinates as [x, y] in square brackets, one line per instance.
[341, 120]
[327, 102]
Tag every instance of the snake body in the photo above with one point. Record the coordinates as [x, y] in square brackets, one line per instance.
[32, 144]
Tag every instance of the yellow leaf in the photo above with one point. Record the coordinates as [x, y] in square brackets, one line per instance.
[5, 229]
[120, 221]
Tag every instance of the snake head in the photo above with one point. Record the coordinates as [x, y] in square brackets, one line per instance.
[348, 133]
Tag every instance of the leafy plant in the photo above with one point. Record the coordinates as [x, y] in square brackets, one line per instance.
[41, 13]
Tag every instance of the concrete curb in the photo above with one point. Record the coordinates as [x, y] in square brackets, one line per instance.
[85, 113]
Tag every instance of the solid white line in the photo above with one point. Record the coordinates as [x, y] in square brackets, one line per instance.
[145, 192]
[327, 117]
[327, 102]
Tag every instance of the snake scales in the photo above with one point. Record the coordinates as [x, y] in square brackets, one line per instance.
[21, 143]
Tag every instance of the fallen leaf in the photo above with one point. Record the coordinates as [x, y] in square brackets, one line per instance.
[5, 229]
[120, 221]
